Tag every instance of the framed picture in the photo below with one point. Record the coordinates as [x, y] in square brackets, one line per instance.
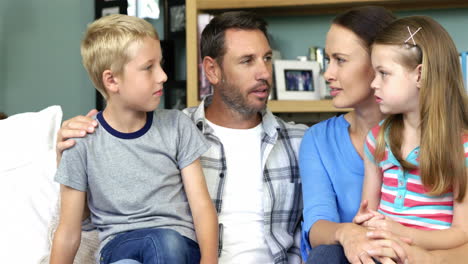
[174, 18]
[109, 7]
[297, 80]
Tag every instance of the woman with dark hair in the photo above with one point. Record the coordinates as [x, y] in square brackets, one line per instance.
[331, 153]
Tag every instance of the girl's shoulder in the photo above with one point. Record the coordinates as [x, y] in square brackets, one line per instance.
[376, 129]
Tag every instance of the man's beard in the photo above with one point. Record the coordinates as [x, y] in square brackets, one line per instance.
[232, 97]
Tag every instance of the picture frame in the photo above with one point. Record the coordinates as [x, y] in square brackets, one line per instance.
[175, 18]
[297, 80]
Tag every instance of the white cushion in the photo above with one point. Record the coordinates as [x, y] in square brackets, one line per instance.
[28, 193]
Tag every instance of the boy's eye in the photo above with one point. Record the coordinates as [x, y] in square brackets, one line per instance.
[149, 67]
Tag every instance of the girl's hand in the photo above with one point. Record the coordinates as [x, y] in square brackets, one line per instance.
[386, 224]
[364, 215]
[399, 249]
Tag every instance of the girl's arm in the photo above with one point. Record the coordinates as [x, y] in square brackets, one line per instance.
[67, 237]
[449, 238]
[370, 193]
[203, 212]
[372, 185]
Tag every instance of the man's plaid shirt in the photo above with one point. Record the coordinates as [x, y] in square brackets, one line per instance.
[283, 196]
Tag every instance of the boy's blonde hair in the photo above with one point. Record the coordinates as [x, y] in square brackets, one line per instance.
[106, 42]
[442, 103]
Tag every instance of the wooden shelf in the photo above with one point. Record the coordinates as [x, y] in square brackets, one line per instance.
[286, 7]
[303, 106]
[213, 5]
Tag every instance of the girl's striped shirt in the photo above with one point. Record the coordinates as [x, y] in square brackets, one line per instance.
[403, 197]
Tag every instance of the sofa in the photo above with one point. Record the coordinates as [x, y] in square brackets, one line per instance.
[29, 199]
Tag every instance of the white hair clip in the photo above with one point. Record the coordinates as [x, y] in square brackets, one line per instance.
[412, 35]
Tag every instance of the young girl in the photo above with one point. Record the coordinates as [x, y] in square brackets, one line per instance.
[416, 159]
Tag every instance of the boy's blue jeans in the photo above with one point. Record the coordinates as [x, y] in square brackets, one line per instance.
[150, 246]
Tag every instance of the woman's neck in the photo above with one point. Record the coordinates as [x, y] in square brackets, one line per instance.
[361, 120]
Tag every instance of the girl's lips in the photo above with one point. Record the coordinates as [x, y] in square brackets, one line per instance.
[378, 99]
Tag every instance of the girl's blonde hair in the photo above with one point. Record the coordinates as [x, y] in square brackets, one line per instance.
[105, 45]
[442, 104]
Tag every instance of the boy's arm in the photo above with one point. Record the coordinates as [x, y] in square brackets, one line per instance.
[203, 212]
[67, 237]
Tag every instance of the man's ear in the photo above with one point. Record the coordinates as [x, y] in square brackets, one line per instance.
[419, 74]
[110, 81]
[212, 70]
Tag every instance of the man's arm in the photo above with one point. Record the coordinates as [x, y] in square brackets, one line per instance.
[203, 212]
[76, 127]
[67, 237]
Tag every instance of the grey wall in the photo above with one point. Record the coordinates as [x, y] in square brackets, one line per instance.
[40, 62]
[292, 36]
[40, 56]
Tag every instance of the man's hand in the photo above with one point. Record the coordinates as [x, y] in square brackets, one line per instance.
[76, 127]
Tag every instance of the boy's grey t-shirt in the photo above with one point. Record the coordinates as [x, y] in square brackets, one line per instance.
[133, 180]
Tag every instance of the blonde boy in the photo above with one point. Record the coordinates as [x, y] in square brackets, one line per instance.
[139, 173]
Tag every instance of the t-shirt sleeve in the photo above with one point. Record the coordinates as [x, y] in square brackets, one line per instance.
[71, 171]
[191, 142]
[318, 192]
[369, 145]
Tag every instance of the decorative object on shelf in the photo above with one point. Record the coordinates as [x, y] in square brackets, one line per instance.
[204, 86]
[175, 20]
[297, 80]
[143, 8]
[110, 7]
[318, 54]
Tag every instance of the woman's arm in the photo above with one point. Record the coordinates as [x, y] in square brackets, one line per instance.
[67, 237]
[321, 217]
[203, 212]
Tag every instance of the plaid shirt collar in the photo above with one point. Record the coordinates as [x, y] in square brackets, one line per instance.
[269, 122]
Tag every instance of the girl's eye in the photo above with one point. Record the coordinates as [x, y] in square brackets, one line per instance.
[383, 74]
